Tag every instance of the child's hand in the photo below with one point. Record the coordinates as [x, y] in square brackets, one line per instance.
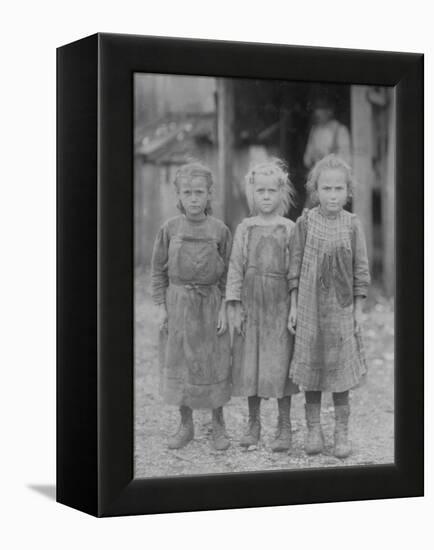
[358, 319]
[292, 319]
[236, 318]
[358, 313]
[162, 317]
[222, 322]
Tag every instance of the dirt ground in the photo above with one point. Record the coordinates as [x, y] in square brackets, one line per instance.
[372, 406]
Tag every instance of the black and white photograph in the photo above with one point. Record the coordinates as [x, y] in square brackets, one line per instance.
[264, 275]
[177, 282]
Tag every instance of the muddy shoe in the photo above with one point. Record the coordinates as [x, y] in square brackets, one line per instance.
[342, 447]
[220, 439]
[282, 439]
[253, 432]
[185, 431]
[314, 443]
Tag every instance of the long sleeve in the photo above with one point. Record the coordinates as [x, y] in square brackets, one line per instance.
[159, 277]
[235, 272]
[308, 154]
[225, 245]
[361, 277]
[344, 144]
[296, 250]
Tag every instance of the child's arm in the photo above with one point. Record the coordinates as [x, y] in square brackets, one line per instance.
[225, 245]
[292, 318]
[224, 248]
[159, 276]
[361, 277]
[235, 282]
[235, 271]
[296, 251]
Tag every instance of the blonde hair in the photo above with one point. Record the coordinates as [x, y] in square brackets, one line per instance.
[277, 168]
[189, 171]
[329, 162]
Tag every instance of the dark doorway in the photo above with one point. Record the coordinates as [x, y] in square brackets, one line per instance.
[278, 114]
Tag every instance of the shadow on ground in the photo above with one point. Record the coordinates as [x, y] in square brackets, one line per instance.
[48, 491]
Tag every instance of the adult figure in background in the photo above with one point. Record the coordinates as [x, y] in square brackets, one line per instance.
[327, 135]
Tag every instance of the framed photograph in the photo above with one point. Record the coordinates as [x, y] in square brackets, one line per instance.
[240, 275]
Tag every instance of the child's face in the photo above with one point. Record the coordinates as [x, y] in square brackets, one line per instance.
[194, 195]
[266, 194]
[332, 190]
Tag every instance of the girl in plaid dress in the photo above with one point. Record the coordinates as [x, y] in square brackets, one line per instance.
[328, 280]
[258, 301]
[189, 264]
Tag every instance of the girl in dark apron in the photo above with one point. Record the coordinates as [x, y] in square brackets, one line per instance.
[189, 265]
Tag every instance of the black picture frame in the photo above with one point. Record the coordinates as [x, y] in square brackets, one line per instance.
[95, 275]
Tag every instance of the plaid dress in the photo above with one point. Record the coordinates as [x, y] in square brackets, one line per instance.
[329, 266]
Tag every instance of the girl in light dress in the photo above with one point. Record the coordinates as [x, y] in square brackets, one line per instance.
[258, 301]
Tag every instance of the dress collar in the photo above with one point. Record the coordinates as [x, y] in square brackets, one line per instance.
[329, 216]
[196, 220]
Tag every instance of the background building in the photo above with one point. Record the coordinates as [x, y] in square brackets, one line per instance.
[230, 124]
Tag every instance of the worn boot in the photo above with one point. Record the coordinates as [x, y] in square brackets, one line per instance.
[282, 440]
[220, 438]
[185, 431]
[253, 432]
[314, 443]
[342, 445]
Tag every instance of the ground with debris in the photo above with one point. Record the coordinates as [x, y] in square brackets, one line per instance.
[372, 419]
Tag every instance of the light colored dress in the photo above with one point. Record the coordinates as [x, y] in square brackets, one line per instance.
[189, 267]
[257, 277]
[329, 266]
[324, 139]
